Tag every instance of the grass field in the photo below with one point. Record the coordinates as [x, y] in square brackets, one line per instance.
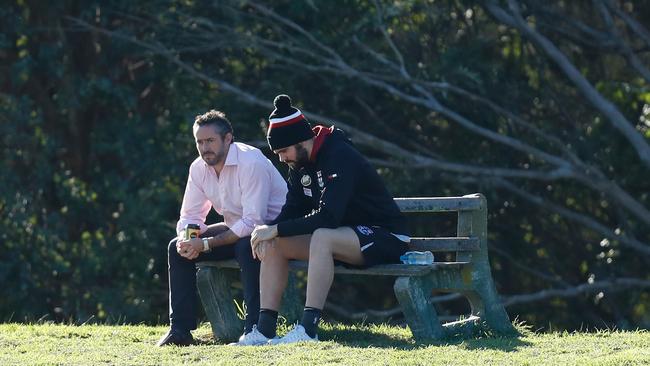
[347, 345]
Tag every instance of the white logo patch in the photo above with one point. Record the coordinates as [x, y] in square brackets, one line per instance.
[307, 191]
[305, 180]
[364, 230]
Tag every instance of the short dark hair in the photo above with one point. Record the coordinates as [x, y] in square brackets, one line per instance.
[217, 119]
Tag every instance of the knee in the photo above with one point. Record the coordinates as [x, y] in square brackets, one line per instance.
[321, 242]
[273, 253]
[172, 253]
[243, 249]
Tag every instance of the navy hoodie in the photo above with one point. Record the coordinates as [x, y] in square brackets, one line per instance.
[337, 188]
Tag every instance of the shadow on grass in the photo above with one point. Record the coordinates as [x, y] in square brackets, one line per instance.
[505, 344]
[363, 338]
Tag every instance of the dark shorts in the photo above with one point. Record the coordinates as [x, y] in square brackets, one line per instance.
[380, 246]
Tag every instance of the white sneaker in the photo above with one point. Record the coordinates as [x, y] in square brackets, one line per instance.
[252, 338]
[297, 334]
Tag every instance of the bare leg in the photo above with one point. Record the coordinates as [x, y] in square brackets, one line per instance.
[275, 268]
[325, 246]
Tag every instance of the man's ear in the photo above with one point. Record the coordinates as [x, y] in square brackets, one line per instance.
[307, 145]
[227, 140]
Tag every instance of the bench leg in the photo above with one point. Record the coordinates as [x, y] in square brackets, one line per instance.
[486, 304]
[217, 299]
[413, 295]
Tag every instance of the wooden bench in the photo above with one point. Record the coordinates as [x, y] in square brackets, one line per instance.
[469, 274]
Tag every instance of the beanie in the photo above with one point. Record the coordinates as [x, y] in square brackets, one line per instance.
[287, 125]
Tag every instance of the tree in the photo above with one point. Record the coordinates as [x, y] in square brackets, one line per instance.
[95, 144]
[546, 108]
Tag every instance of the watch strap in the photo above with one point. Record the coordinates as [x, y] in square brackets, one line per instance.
[206, 244]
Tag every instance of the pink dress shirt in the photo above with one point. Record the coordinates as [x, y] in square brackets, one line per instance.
[248, 192]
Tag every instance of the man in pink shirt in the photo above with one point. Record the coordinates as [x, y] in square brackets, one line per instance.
[242, 185]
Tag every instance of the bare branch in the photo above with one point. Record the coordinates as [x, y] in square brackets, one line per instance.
[391, 44]
[637, 27]
[434, 105]
[526, 268]
[564, 168]
[413, 144]
[599, 183]
[427, 101]
[553, 140]
[342, 311]
[550, 175]
[585, 220]
[298, 29]
[607, 108]
[376, 55]
[616, 284]
[612, 285]
[574, 30]
[357, 135]
[627, 50]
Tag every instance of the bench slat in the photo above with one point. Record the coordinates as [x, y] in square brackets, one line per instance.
[439, 204]
[380, 270]
[451, 244]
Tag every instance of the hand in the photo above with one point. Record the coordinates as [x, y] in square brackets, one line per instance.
[262, 233]
[189, 249]
[262, 248]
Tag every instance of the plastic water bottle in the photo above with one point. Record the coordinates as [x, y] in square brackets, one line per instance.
[417, 258]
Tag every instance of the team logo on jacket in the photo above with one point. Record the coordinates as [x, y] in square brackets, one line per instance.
[364, 230]
[305, 180]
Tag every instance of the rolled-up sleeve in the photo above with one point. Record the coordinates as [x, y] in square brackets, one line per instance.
[196, 205]
[255, 189]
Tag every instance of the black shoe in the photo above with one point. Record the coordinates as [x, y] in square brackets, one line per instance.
[177, 338]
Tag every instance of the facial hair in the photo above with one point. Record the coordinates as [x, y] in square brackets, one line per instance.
[213, 158]
[302, 158]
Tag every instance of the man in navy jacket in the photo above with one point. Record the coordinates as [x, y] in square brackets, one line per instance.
[337, 208]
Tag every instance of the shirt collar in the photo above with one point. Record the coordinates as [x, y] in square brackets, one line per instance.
[321, 133]
[233, 156]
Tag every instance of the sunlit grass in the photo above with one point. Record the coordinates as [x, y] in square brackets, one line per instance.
[350, 345]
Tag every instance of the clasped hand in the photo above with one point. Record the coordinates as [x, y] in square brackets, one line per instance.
[262, 238]
[189, 249]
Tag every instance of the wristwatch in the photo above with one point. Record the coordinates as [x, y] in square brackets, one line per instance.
[206, 245]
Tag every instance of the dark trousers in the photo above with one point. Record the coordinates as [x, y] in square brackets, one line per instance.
[182, 282]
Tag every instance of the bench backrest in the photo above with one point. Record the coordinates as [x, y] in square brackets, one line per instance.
[470, 242]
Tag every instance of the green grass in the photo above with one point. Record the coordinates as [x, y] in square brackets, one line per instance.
[349, 345]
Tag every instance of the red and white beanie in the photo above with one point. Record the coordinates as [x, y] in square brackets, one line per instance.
[287, 125]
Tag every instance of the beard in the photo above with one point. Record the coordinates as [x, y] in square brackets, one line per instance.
[212, 158]
[302, 158]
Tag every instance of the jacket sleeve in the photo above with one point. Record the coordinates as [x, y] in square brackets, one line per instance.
[340, 181]
[294, 205]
